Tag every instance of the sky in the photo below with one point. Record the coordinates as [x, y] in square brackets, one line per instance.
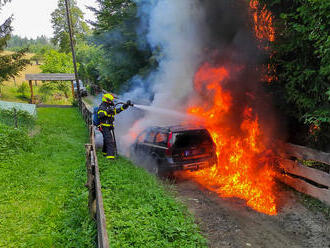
[32, 17]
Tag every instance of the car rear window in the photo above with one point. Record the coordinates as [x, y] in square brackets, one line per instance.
[191, 138]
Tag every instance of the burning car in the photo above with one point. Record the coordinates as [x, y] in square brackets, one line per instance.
[168, 149]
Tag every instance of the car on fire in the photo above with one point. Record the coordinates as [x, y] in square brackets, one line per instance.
[174, 148]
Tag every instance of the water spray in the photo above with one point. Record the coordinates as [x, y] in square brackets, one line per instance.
[163, 111]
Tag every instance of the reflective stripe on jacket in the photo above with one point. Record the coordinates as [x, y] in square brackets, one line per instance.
[106, 114]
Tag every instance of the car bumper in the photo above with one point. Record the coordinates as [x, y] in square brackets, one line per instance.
[191, 165]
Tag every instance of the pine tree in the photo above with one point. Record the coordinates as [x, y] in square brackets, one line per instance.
[61, 31]
[10, 64]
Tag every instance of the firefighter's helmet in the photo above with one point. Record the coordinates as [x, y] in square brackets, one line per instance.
[107, 98]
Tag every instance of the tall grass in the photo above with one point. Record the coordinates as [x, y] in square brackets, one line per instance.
[140, 212]
[43, 201]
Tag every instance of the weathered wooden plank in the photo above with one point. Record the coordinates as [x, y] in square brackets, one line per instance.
[306, 188]
[298, 169]
[51, 77]
[306, 153]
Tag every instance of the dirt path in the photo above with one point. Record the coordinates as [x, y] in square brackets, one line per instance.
[229, 223]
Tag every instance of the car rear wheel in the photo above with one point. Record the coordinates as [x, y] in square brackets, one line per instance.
[155, 170]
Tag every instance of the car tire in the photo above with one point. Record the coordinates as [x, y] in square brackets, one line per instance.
[155, 170]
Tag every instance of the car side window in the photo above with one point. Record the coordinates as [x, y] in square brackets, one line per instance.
[161, 139]
[150, 137]
[141, 138]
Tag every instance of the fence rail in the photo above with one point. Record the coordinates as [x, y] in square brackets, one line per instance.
[310, 181]
[95, 200]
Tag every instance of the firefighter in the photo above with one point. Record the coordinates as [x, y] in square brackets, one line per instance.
[106, 114]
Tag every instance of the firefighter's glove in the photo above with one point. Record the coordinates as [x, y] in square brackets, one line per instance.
[129, 103]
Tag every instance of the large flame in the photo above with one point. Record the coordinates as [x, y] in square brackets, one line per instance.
[243, 168]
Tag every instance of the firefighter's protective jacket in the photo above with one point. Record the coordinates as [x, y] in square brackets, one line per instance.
[107, 112]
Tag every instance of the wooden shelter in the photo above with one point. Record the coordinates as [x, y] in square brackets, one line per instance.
[49, 77]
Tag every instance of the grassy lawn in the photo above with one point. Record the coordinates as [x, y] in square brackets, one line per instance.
[43, 201]
[140, 212]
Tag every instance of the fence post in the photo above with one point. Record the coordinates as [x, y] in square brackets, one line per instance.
[15, 118]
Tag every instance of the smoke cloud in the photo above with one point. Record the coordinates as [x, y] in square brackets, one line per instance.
[183, 35]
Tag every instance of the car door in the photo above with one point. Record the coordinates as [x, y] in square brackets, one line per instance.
[139, 144]
[148, 144]
[160, 144]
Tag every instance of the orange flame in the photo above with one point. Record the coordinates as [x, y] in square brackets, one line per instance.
[243, 168]
[263, 21]
[264, 31]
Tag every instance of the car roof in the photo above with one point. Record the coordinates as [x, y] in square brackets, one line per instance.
[177, 128]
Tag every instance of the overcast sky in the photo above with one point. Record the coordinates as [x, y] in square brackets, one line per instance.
[32, 17]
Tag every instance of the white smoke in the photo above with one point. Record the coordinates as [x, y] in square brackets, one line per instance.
[174, 34]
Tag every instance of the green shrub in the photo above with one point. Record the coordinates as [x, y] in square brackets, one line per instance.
[23, 89]
[24, 119]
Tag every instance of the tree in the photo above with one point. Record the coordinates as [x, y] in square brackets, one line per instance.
[56, 62]
[89, 58]
[124, 52]
[38, 45]
[302, 61]
[61, 31]
[10, 64]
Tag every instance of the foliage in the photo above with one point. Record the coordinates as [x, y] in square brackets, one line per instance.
[89, 58]
[61, 31]
[39, 45]
[302, 58]
[140, 212]
[125, 51]
[43, 198]
[10, 64]
[24, 119]
[57, 62]
[23, 89]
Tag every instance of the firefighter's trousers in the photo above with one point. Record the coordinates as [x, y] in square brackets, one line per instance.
[109, 145]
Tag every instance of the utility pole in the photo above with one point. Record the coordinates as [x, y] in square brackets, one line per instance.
[73, 51]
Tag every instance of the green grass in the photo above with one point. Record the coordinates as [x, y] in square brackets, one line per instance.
[43, 201]
[11, 93]
[141, 212]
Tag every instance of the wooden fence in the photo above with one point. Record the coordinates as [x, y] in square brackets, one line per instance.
[87, 113]
[307, 180]
[95, 200]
